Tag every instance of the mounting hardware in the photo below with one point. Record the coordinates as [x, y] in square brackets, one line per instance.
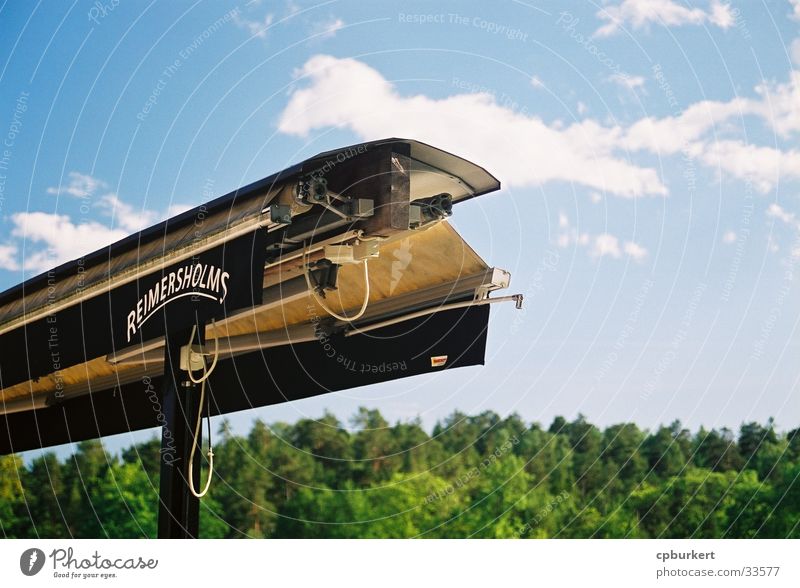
[323, 275]
[344, 254]
[361, 207]
[427, 210]
[280, 213]
[315, 291]
[192, 358]
[310, 190]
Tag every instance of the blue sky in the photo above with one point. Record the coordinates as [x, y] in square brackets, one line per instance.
[647, 149]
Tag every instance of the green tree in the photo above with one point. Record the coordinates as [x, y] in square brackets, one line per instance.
[695, 505]
[586, 441]
[664, 453]
[622, 455]
[126, 503]
[328, 443]
[374, 447]
[11, 499]
[717, 450]
[44, 493]
[474, 476]
[752, 436]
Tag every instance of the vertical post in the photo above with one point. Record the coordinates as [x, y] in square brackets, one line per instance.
[179, 509]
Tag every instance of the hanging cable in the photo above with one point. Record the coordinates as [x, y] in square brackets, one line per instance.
[202, 381]
[321, 301]
[210, 452]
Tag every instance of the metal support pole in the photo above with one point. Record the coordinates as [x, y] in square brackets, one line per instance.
[179, 510]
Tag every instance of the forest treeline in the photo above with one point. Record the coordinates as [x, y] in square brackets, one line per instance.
[472, 476]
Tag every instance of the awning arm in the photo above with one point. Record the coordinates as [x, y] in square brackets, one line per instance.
[516, 298]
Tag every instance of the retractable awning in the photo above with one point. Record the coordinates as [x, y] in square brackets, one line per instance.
[83, 344]
[338, 272]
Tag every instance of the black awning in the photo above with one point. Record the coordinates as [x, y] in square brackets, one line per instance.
[77, 343]
[443, 340]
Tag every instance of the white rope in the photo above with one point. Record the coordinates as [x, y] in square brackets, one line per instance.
[202, 381]
[194, 447]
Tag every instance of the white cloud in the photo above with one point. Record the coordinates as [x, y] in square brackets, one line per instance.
[777, 211]
[776, 104]
[51, 239]
[763, 167]
[636, 251]
[346, 93]
[121, 213]
[586, 152]
[672, 134]
[772, 244]
[729, 237]
[9, 257]
[779, 105]
[602, 245]
[605, 245]
[640, 14]
[794, 51]
[124, 215]
[567, 235]
[795, 9]
[629, 82]
[325, 29]
[177, 208]
[536, 82]
[256, 28]
[79, 185]
[62, 239]
[572, 237]
[722, 15]
[292, 7]
[790, 219]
